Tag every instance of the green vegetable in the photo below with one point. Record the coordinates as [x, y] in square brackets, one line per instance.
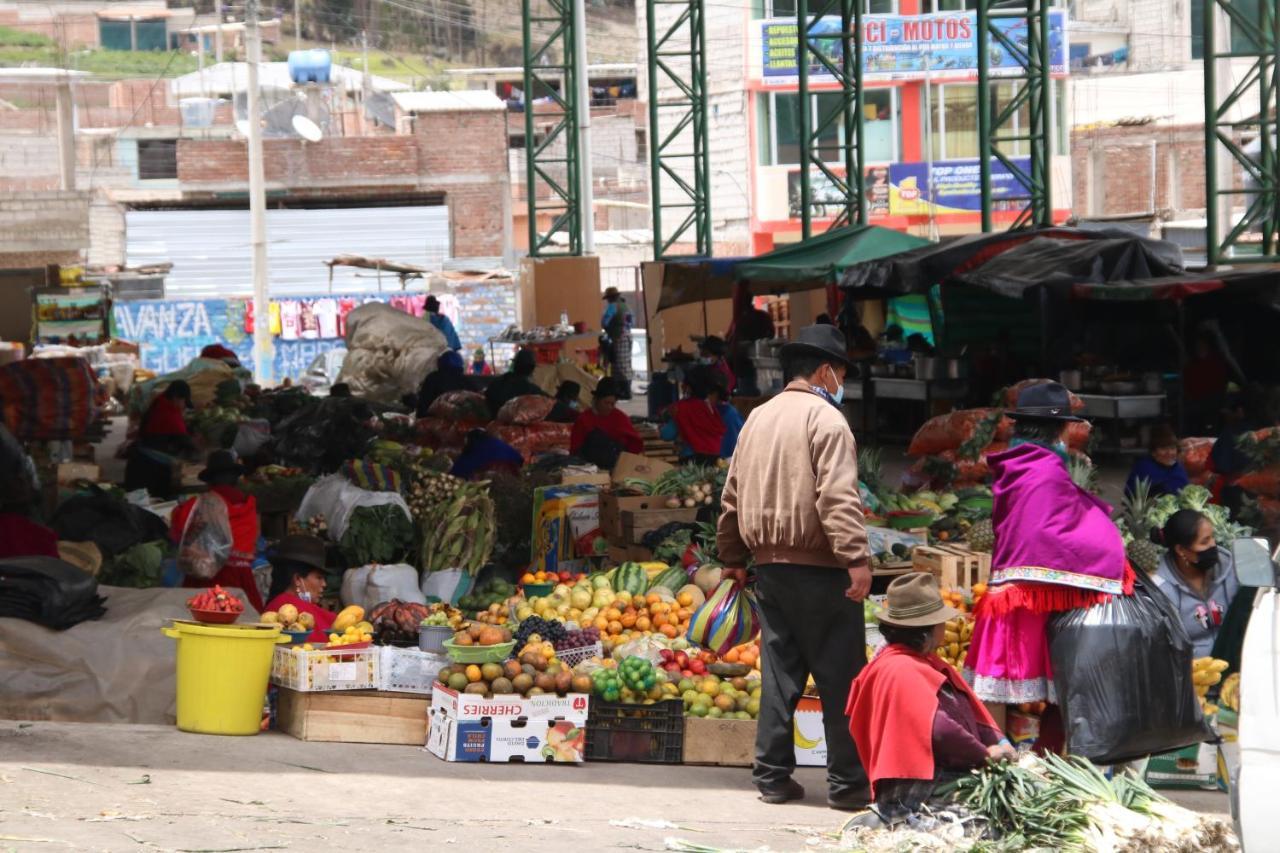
[140, 567]
[376, 534]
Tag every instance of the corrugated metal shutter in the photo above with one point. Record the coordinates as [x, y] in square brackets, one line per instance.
[210, 252]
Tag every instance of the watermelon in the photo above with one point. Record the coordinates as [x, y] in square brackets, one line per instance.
[631, 577]
[672, 579]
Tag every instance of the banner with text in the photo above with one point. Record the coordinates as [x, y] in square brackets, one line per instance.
[953, 186]
[943, 47]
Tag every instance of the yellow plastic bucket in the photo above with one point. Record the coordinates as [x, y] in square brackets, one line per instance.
[222, 675]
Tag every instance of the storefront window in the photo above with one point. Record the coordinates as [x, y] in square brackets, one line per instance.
[955, 120]
[782, 144]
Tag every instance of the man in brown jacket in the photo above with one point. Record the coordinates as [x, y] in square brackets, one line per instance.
[791, 501]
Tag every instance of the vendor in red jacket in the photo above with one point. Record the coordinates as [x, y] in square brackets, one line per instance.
[222, 473]
[604, 427]
[914, 719]
[19, 495]
[297, 578]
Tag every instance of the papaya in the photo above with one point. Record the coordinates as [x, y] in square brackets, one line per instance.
[348, 618]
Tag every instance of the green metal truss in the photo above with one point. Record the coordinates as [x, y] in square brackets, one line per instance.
[551, 161]
[838, 162]
[678, 150]
[1032, 89]
[1254, 34]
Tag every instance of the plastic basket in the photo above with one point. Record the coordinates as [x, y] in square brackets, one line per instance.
[479, 654]
[538, 590]
[647, 734]
[431, 638]
[326, 669]
[573, 657]
[409, 670]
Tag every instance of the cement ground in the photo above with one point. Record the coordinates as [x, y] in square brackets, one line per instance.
[66, 786]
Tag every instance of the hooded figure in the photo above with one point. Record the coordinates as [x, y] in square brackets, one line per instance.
[448, 376]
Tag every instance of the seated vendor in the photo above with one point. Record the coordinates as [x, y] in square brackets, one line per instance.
[20, 536]
[565, 411]
[914, 719]
[1198, 576]
[162, 439]
[694, 422]
[222, 473]
[449, 375]
[482, 454]
[297, 578]
[1160, 468]
[604, 431]
[711, 352]
[514, 383]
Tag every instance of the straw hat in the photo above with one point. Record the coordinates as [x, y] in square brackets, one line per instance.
[914, 601]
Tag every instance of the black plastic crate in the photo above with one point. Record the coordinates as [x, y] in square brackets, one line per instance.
[646, 734]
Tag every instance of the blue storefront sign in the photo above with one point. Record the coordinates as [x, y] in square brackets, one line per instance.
[942, 47]
[953, 186]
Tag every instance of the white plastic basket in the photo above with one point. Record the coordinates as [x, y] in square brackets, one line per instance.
[409, 670]
[325, 669]
[573, 657]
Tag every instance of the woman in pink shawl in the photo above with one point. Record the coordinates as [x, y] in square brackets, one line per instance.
[1056, 549]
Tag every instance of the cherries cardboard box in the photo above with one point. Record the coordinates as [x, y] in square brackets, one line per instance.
[467, 727]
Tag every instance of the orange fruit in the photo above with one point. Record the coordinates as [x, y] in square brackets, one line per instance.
[685, 599]
[732, 656]
[473, 673]
[661, 619]
[660, 607]
[669, 631]
[629, 619]
[642, 623]
[615, 627]
[652, 598]
[527, 578]
[612, 614]
[602, 623]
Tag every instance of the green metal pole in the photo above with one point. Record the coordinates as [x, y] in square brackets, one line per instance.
[1041, 125]
[655, 144]
[806, 122]
[702, 132]
[984, 111]
[531, 200]
[855, 157]
[1212, 246]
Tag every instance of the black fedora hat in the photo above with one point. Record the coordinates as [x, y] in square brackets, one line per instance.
[606, 387]
[820, 340]
[1048, 401]
[300, 548]
[222, 463]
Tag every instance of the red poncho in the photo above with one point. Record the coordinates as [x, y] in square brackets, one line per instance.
[891, 708]
[165, 417]
[616, 425]
[700, 425]
[242, 510]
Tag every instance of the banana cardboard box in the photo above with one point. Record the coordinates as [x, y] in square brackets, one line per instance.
[810, 738]
[537, 729]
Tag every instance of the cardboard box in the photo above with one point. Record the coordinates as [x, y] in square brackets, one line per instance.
[723, 743]
[810, 736]
[637, 523]
[1199, 766]
[465, 727]
[629, 554]
[599, 479]
[635, 466]
[69, 472]
[365, 716]
[566, 525]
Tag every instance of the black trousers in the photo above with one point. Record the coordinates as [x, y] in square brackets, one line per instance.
[809, 626]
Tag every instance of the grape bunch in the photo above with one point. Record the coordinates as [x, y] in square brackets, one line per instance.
[547, 629]
[577, 638]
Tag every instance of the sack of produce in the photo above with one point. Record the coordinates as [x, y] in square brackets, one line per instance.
[1264, 482]
[1194, 453]
[369, 586]
[335, 499]
[251, 436]
[976, 427]
[371, 475]
[448, 585]
[526, 409]
[388, 352]
[729, 617]
[1123, 676]
[206, 538]
[460, 406]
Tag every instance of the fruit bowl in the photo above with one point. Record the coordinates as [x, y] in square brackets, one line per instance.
[296, 637]
[213, 617]
[538, 590]
[478, 654]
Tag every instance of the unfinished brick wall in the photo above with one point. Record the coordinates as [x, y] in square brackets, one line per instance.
[52, 225]
[1112, 170]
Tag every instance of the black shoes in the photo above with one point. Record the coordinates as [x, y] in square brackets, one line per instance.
[854, 800]
[784, 793]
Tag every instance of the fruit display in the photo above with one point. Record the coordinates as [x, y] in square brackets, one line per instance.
[1229, 693]
[687, 664]
[747, 654]
[1141, 514]
[477, 634]
[456, 522]
[550, 577]
[491, 592]
[631, 578]
[535, 676]
[1205, 673]
[720, 698]
[577, 638]
[215, 600]
[443, 616]
[397, 621]
[955, 598]
[546, 629]
[672, 579]
[981, 536]
[290, 619]
[360, 632]
[955, 643]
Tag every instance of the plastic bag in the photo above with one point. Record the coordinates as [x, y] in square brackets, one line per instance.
[206, 538]
[335, 498]
[447, 586]
[251, 436]
[729, 617]
[649, 647]
[526, 409]
[1123, 676]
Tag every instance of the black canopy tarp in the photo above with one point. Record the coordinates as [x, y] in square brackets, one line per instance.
[917, 270]
[1058, 263]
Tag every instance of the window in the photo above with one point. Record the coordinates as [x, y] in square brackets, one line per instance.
[787, 8]
[157, 159]
[955, 120]
[1241, 41]
[780, 127]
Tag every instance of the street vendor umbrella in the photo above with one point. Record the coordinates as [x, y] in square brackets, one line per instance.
[821, 260]
[917, 270]
[1060, 263]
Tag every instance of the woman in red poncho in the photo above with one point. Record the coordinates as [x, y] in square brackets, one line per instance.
[915, 721]
[222, 472]
[162, 439]
[604, 431]
[694, 422]
[297, 579]
[20, 536]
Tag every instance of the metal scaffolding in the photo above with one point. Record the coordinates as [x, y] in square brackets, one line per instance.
[551, 153]
[1024, 34]
[678, 146]
[1242, 30]
[838, 161]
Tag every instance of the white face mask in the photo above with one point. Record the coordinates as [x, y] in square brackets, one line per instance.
[305, 595]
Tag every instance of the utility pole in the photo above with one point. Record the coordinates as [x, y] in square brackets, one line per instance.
[364, 81]
[217, 39]
[297, 24]
[263, 357]
[586, 197]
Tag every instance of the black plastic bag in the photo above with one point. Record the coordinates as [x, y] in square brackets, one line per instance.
[111, 523]
[49, 592]
[1123, 675]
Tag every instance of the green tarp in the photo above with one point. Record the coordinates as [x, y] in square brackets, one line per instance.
[819, 261]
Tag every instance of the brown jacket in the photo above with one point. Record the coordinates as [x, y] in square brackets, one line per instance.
[792, 491]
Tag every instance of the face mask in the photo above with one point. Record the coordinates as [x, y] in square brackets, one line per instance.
[710, 359]
[304, 595]
[838, 395]
[1206, 560]
[1061, 447]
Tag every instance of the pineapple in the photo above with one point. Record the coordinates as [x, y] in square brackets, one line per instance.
[981, 536]
[1083, 474]
[1141, 551]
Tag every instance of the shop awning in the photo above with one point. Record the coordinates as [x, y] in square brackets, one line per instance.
[691, 280]
[1250, 281]
[820, 261]
[1102, 255]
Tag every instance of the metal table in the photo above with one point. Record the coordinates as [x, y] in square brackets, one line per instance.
[1126, 407]
[924, 391]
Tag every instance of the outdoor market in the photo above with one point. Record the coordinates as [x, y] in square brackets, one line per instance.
[1050, 458]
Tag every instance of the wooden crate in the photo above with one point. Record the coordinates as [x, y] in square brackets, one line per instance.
[612, 506]
[724, 743]
[629, 554]
[358, 716]
[954, 567]
[636, 523]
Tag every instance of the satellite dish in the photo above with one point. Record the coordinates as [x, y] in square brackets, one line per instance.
[242, 125]
[307, 129]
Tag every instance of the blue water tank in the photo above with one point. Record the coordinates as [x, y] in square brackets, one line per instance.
[309, 66]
